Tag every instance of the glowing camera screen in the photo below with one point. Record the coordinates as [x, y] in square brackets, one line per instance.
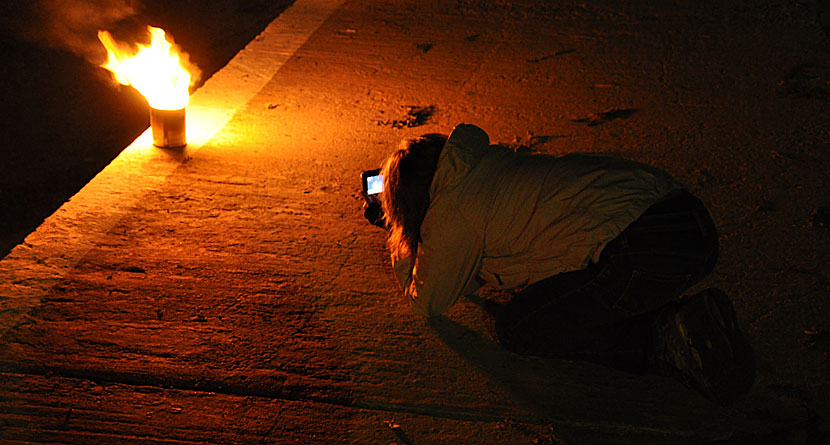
[374, 184]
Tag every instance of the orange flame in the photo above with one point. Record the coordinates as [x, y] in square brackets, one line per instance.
[156, 70]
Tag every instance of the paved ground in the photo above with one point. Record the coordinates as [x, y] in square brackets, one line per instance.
[232, 293]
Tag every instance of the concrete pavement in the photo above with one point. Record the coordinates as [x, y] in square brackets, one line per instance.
[231, 292]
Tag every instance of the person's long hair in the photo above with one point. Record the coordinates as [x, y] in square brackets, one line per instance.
[407, 175]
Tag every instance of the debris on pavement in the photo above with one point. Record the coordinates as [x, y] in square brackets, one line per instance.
[399, 434]
[593, 120]
[817, 339]
[528, 144]
[550, 56]
[415, 117]
[808, 81]
[425, 47]
[764, 206]
[820, 217]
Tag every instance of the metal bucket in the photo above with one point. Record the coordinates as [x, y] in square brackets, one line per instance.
[168, 128]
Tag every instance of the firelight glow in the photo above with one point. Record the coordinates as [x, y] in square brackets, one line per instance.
[156, 71]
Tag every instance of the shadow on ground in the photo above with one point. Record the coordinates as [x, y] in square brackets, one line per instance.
[574, 395]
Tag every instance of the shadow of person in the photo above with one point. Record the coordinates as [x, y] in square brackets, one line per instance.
[575, 393]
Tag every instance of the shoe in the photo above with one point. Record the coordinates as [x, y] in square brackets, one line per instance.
[698, 340]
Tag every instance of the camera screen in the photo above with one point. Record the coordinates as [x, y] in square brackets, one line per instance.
[374, 184]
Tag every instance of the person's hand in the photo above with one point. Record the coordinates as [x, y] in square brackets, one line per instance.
[369, 199]
[372, 210]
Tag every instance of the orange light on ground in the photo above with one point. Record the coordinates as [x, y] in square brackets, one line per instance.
[157, 71]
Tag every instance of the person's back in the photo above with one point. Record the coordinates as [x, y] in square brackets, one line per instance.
[536, 215]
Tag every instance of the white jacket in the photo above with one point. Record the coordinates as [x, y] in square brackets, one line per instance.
[511, 219]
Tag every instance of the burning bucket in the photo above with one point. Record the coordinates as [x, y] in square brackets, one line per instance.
[168, 128]
[158, 72]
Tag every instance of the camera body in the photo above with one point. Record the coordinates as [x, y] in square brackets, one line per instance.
[372, 182]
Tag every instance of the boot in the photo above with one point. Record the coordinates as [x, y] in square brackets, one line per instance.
[698, 341]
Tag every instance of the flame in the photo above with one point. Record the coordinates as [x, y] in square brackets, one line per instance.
[156, 70]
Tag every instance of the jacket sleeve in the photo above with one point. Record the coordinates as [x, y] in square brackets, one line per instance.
[444, 269]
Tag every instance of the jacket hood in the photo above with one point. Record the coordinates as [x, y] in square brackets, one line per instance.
[462, 152]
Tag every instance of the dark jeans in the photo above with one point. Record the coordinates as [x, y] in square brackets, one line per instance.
[605, 313]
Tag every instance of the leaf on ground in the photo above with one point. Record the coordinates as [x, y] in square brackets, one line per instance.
[595, 119]
[818, 339]
[820, 217]
[808, 81]
[415, 117]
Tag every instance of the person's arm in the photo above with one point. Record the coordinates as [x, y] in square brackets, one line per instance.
[444, 268]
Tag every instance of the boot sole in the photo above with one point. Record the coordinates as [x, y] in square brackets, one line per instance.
[726, 366]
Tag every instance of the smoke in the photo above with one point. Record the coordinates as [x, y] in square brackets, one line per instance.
[69, 24]
[73, 25]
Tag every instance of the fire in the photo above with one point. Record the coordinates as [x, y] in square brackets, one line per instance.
[156, 71]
